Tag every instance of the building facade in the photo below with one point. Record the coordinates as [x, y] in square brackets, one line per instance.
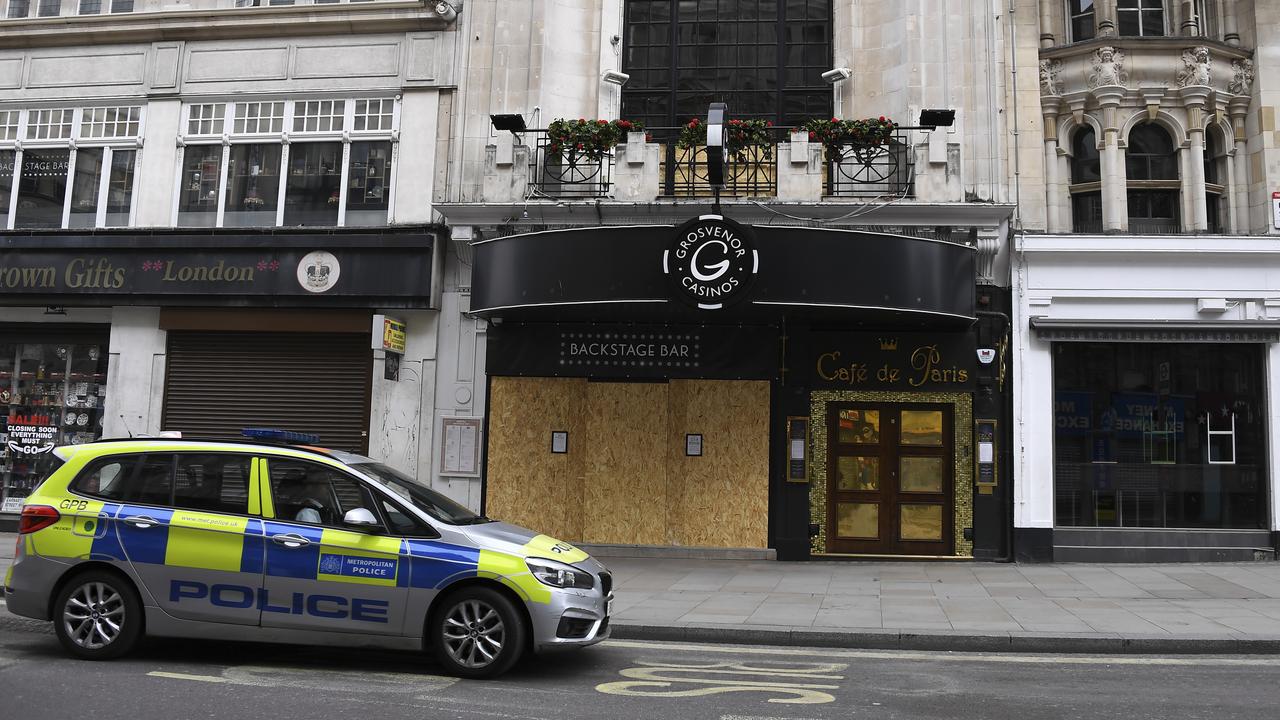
[1147, 309]
[815, 365]
[205, 208]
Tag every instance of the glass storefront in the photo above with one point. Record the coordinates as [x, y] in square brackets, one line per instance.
[1159, 435]
[53, 394]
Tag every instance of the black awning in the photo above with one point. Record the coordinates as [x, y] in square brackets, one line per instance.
[622, 273]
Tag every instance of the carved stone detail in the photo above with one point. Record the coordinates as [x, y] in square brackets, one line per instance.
[1108, 68]
[1050, 86]
[1241, 77]
[1195, 67]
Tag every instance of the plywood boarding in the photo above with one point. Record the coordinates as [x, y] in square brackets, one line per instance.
[720, 499]
[624, 492]
[526, 483]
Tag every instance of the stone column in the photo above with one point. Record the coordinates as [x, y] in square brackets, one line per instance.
[1105, 15]
[1115, 193]
[1195, 97]
[1239, 109]
[1230, 27]
[1048, 23]
[1050, 107]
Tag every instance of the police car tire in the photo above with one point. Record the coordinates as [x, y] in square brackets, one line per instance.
[130, 629]
[513, 643]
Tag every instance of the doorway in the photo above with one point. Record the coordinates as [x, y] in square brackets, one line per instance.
[890, 478]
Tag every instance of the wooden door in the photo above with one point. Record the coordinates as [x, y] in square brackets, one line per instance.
[889, 479]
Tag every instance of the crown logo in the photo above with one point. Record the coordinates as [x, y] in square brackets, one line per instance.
[888, 343]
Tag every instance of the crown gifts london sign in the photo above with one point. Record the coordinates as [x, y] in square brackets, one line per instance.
[711, 262]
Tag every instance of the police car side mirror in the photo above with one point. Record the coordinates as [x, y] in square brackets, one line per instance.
[360, 518]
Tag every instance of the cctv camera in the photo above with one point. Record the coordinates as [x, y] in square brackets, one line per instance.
[835, 75]
[446, 11]
[615, 78]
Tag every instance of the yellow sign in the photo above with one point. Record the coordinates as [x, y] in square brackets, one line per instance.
[392, 335]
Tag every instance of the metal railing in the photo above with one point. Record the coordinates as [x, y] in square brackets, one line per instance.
[570, 173]
[872, 170]
[855, 170]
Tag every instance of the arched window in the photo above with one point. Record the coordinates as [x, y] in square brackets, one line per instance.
[1215, 179]
[1140, 18]
[1086, 186]
[1152, 168]
[1080, 20]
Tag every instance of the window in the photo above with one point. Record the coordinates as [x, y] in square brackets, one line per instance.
[1080, 20]
[61, 187]
[212, 482]
[764, 58]
[107, 478]
[400, 522]
[420, 496]
[1086, 189]
[1207, 18]
[1152, 166]
[313, 493]
[1141, 428]
[1215, 175]
[206, 119]
[49, 8]
[19, 8]
[321, 178]
[144, 479]
[1140, 18]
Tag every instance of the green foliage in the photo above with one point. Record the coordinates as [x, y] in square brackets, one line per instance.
[589, 139]
[835, 133]
[739, 137]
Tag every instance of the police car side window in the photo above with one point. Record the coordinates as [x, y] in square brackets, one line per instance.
[314, 493]
[106, 478]
[217, 482]
[401, 523]
[129, 478]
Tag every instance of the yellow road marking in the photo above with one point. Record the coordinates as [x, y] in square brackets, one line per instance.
[664, 679]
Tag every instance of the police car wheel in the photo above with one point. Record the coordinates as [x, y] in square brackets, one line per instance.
[98, 616]
[477, 633]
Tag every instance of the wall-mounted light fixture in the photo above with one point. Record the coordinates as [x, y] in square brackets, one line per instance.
[446, 11]
[615, 77]
[935, 118]
[835, 75]
[512, 122]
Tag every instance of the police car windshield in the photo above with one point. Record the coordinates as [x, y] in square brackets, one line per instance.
[420, 496]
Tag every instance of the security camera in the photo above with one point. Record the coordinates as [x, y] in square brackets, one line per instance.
[615, 77]
[446, 11]
[835, 75]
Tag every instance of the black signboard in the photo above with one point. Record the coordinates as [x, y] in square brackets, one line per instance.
[633, 351]
[227, 268]
[893, 361]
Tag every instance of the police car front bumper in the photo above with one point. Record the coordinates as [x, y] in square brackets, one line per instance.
[572, 619]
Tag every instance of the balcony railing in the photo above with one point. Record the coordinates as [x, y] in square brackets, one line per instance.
[856, 170]
[569, 174]
[864, 170]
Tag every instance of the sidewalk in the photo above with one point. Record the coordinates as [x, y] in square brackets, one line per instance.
[1193, 608]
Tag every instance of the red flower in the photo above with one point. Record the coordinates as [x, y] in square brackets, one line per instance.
[602, 122]
[811, 136]
[881, 118]
[768, 123]
[835, 120]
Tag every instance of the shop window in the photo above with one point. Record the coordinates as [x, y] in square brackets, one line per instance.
[253, 185]
[1086, 192]
[60, 185]
[329, 180]
[1163, 435]
[52, 393]
[1140, 18]
[312, 193]
[1080, 20]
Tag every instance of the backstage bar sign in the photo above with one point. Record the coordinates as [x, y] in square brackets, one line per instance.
[638, 351]
[711, 262]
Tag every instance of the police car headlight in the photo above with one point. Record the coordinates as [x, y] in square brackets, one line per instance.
[558, 574]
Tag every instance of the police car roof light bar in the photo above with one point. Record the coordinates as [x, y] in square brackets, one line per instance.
[278, 435]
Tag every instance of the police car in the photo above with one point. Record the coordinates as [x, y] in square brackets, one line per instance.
[259, 540]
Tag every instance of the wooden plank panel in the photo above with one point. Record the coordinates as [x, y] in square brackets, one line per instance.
[720, 499]
[527, 484]
[624, 492]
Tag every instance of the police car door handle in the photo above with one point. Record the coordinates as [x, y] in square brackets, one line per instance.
[290, 540]
[142, 522]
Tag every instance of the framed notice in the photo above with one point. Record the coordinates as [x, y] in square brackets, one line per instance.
[984, 459]
[559, 441]
[460, 446]
[693, 444]
[797, 449]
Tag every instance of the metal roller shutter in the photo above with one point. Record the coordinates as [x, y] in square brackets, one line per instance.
[218, 383]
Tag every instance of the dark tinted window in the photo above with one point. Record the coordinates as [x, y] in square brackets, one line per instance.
[400, 522]
[1084, 157]
[213, 482]
[313, 493]
[129, 478]
[1080, 16]
[1151, 154]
